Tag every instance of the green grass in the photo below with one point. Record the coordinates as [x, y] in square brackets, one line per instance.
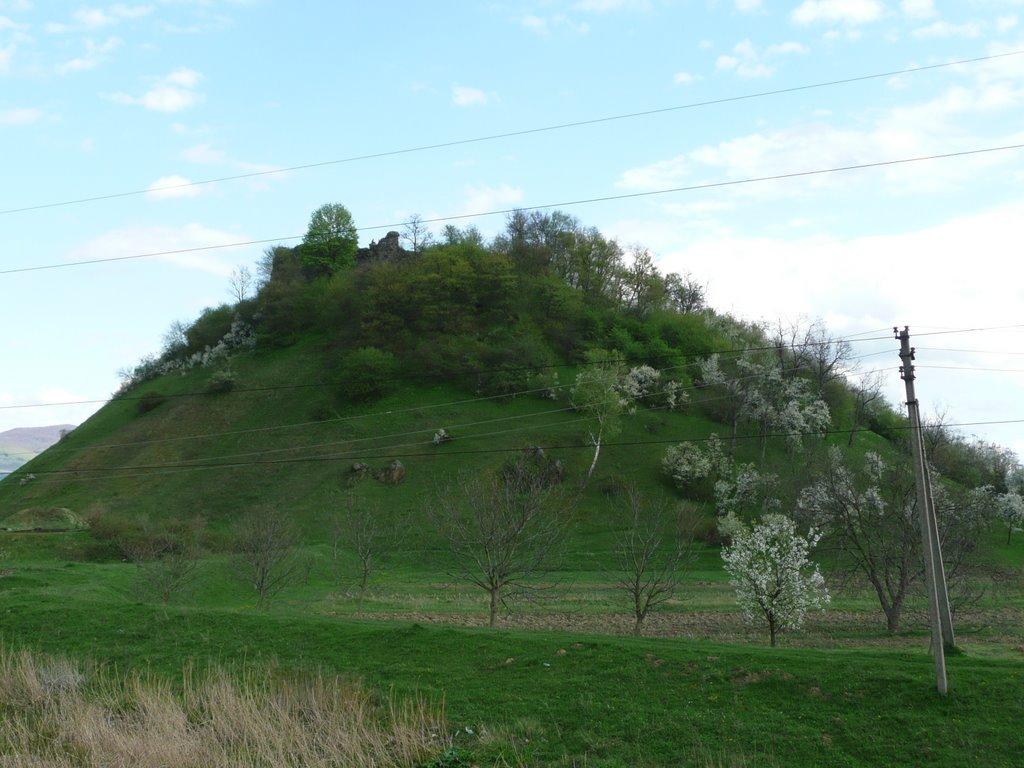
[565, 699]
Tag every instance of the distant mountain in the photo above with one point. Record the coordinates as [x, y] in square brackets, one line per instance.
[20, 445]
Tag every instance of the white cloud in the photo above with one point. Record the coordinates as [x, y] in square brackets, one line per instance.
[545, 25]
[480, 199]
[7, 23]
[955, 119]
[918, 9]
[745, 6]
[6, 57]
[20, 116]
[1006, 23]
[607, 6]
[94, 18]
[464, 96]
[95, 54]
[684, 78]
[172, 93]
[748, 61]
[838, 11]
[204, 154]
[944, 29]
[172, 187]
[135, 240]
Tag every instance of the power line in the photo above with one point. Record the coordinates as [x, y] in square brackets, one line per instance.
[349, 456]
[521, 132]
[574, 407]
[970, 351]
[563, 204]
[764, 348]
[971, 368]
[463, 372]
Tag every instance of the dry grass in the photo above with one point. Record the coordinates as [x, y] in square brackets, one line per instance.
[57, 714]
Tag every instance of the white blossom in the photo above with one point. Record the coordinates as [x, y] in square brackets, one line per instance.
[769, 567]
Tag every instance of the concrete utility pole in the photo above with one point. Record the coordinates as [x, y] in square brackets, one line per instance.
[941, 618]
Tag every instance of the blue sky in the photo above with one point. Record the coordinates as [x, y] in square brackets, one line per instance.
[99, 98]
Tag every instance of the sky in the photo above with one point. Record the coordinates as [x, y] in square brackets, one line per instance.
[97, 99]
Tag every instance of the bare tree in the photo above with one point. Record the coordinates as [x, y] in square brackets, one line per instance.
[240, 283]
[359, 528]
[266, 546]
[652, 555]
[167, 557]
[865, 396]
[416, 233]
[503, 530]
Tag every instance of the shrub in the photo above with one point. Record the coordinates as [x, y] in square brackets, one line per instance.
[209, 328]
[364, 374]
[150, 402]
[221, 382]
[686, 464]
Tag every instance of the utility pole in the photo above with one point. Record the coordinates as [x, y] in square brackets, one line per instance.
[940, 616]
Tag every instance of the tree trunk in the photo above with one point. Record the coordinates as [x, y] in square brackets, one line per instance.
[771, 631]
[597, 453]
[494, 608]
[1009, 532]
[892, 619]
[638, 624]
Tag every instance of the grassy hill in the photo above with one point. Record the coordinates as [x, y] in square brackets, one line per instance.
[365, 366]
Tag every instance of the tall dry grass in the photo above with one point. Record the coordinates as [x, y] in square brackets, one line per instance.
[55, 713]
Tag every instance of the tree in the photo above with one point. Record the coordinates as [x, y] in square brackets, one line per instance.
[266, 545]
[416, 233]
[642, 284]
[331, 241]
[502, 529]
[769, 567]
[652, 555]
[598, 392]
[866, 396]
[240, 283]
[1011, 503]
[360, 529]
[684, 294]
[870, 519]
[731, 391]
[167, 557]
[776, 403]
[175, 339]
[690, 465]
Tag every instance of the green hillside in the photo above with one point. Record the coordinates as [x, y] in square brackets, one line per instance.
[347, 358]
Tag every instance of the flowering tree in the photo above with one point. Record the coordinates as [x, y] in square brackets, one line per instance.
[769, 567]
[777, 403]
[745, 489]
[731, 388]
[645, 384]
[1011, 512]
[688, 464]
[869, 517]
